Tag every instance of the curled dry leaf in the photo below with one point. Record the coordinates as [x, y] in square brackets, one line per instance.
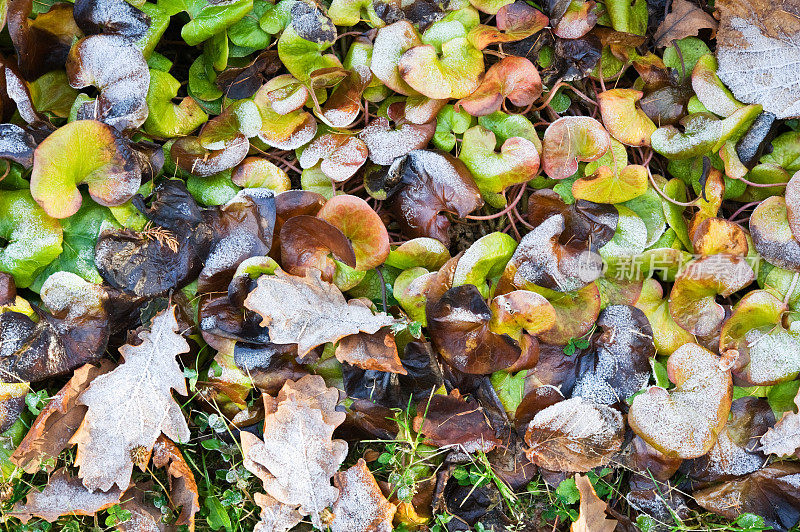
[64, 495]
[784, 438]
[451, 420]
[574, 435]
[308, 311]
[190, 155]
[361, 507]
[131, 406]
[686, 420]
[183, 488]
[16, 145]
[311, 244]
[376, 351]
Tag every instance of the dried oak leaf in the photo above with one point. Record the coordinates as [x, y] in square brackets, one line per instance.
[145, 517]
[574, 435]
[758, 46]
[686, 19]
[592, 511]
[298, 456]
[131, 406]
[361, 506]
[64, 495]
[275, 516]
[57, 422]
[451, 420]
[784, 438]
[309, 311]
[771, 492]
[182, 485]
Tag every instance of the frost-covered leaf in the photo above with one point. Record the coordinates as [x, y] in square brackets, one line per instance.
[309, 311]
[784, 438]
[361, 506]
[131, 406]
[758, 49]
[64, 495]
[574, 435]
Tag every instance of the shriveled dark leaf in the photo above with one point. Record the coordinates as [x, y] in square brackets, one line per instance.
[451, 420]
[243, 82]
[311, 243]
[114, 17]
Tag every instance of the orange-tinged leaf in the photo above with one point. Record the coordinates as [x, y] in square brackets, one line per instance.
[371, 351]
[182, 485]
[592, 512]
[361, 506]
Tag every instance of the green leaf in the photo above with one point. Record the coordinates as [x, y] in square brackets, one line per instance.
[217, 515]
[209, 19]
[302, 57]
[247, 32]
[159, 20]
[215, 189]
[568, 492]
[510, 389]
[450, 123]
[80, 236]
[167, 119]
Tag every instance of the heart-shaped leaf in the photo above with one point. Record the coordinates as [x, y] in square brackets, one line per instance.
[571, 139]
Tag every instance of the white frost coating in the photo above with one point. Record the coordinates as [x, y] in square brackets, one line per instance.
[67, 293]
[249, 118]
[275, 516]
[301, 136]
[18, 91]
[132, 405]
[342, 155]
[64, 495]
[220, 160]
[385, 144]
[685, 421]
[761, 69]
[118, 69]
[390, 44]
[630, 237]
[774, 355]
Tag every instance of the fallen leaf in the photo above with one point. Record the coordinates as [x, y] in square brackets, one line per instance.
[784, 438]
[57, 422]
[371, 351]
[145, 517]
[298, 456]
[574, 435]
[64, 495]
[758, 46]
[361, 506]
[183, 488]
[452, 421]
[685, 19]
[592, 512]
[308, 311]
[131, 406]
[275, 516]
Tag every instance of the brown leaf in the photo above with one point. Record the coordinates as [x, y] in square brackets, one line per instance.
[309, 311]
[757, 49]
[574, 435]
[57, 422]
[145, 517]
[361, 506]
[309, 243]
[183, 488]
[450, 420]
[298, 456]
[64, 495]
[129, 407]
[371, 351]
[275, 516]
[592, 512]
[685, 20]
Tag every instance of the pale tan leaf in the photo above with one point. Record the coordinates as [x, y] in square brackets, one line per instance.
[131, 406]
[685, 19]
[376, 351]
[275, 516]
[182, 486]
[758, 50]
[308, 311]
[312, 391]
[57, 422]
[574, 435]
[64, 495]
[361, 506]
[592, 512]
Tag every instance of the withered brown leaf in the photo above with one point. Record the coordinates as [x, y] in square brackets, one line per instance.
[182, 485]
[371, 351]
[685, 19]
[592, 513]
[131, 406]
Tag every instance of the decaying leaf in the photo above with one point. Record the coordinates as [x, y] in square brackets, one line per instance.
[450, 420]
[685, 19]
[784, 438]
[182, 485]
[592, 513]
[758, 37]
[131, 406]
[371, 351]
[64, 495]
[308, 311]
